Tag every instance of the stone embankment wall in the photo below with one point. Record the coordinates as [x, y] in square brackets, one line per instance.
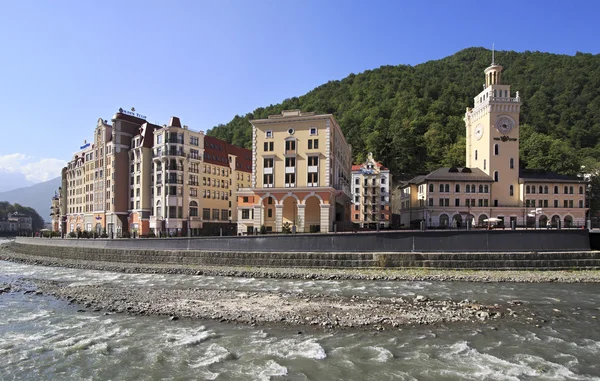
[384, 242]
[109, 251]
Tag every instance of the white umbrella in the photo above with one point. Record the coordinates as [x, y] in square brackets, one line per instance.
[492, 219]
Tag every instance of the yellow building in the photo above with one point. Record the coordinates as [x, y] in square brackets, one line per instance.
[492, 185]
[371, 194]
[300, 175]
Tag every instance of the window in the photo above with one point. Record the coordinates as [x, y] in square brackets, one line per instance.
[270, 201]
[290, 180]
[495, 203]
[310, 144]
[496, 176]
[545, 203]
[456, 202]
[556, 203]
[565, 204]
[566, 190]
[430, 201]
[268, 147]
[269, 134]
[290, 161]
[215, 214]
[314, 161]
[511, 190]
[206, 214]
[475, 154]
[581, 203]
[570, 190]
[313, 179]
[511, 163]
[431, 188]
[447, 202]
[268, 180]
[441, 202]
[447, 188]
[316, 143]
[480, 201]
[356, 180]
[441, 187]
[468, 188]
[496, 149]
[245, 214]
[480, 188]
[224, 214]
[580, 190]
[457, 188]
[541, 190]
[383, 181]
[545, 189]
[290, 145]
[270, 213]
[485, 202]
[570, 203]
[313, 131]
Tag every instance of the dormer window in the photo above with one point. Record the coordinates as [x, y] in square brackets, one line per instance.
[313, 131]
[269, 134]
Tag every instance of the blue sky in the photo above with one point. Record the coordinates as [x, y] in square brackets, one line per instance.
[67, 63]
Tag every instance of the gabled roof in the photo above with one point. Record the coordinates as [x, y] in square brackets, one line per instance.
[215, 151]
[540, 175]
[453, 174]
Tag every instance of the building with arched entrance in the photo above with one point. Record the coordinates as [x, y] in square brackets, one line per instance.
[300, 175]
[492, 184]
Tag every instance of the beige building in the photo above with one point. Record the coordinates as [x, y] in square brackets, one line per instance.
[300, 175]
[194, 181]
[78, 195]
[371, 203]
[491, 184]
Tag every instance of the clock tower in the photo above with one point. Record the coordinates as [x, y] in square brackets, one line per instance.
[492, 136]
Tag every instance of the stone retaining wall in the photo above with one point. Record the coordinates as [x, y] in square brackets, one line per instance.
[547, 260]
[383, 242]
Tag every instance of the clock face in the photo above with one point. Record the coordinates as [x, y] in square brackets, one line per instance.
[478, 132]
[504, 124]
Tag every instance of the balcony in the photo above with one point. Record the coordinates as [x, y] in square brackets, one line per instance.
[175, 168]
[195, 183]
[174, 141]
[174, 181]
[290, 169]
[313, 168]
[176, 153]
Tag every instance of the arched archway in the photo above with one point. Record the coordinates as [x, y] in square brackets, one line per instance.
[482, 220]
[290, 211]
[568, 221]
[457, 220]
[444, 221]
[543, 221]
[312, 214]
[555, 221]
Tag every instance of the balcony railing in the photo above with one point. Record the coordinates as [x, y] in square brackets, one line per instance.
[175, 168]
[174, 181]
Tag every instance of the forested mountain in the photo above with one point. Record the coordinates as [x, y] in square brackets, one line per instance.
[38, 196]
[6, 207]
[411, 117]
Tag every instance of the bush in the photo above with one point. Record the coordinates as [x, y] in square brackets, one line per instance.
[315, 228]
[72, 234]
[286, 228]
[125, 235]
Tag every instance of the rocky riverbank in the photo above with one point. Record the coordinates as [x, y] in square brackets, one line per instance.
[525, 276]
[262, 307]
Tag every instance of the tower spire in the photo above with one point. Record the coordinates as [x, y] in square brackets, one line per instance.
[493, 55]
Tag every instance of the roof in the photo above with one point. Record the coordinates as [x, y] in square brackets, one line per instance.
[453, 174]
[147, 134]
[244, 158]
[215, 151]
[358, 167]
[540, 175]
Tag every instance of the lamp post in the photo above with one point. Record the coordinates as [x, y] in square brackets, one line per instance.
[189, 227]
[295, 211]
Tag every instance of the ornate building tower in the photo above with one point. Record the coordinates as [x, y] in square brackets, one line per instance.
[492, 132]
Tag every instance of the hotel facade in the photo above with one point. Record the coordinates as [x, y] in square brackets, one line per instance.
[301, 171]
[492, 185]
[144, 179]
[371, 203]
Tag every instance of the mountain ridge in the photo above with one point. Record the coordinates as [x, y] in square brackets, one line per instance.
[411, 117]
[37, 196]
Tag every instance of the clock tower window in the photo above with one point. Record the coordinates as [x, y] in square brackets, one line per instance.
[496, 149]
[496, 176]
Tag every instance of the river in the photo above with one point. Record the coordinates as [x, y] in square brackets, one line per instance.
[42, 338]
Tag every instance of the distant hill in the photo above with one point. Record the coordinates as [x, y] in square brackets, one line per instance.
[37, 196]
[411, 117]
